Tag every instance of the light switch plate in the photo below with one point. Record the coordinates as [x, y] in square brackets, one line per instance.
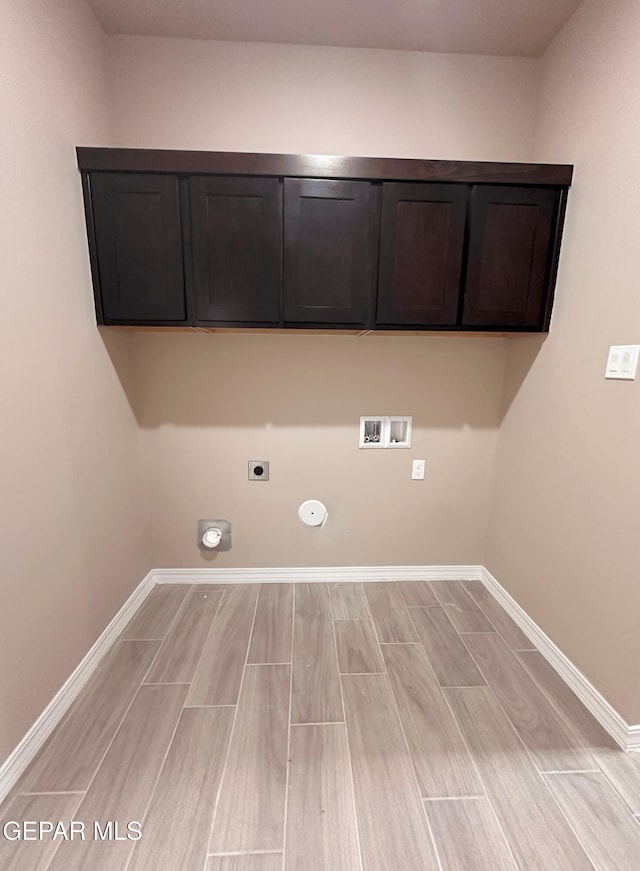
[622, 362]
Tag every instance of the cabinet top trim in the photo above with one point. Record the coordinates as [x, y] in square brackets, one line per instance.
[320, 166]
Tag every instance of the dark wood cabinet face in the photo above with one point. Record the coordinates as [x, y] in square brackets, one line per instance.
[236, 231]
[330, 251]
[241, 240]
[511, 238]
[421, 248]
[138, 247]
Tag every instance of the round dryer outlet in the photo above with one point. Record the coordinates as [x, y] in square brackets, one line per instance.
[258, 470]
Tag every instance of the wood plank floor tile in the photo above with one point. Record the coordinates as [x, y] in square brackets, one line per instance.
[358, 648]
[550, 741]
[468, 836]
[219, 672]
[271, 638]
[448, 656]
[418, 593]
[248, 862]
[460, 608]
[391, 822]
[512, 634]
[250, 813]
[208, 588]
[601, 819]
[622, 769]
[35, 855]
[361, 786]
[154, 617]
[321, 827]
[180, 652]
[69, 758]
[565, 699]
[539, 836]
[177, 826]
[389, 612]
[316, 694]
[348, 601]
[440, 757]
[121, 790]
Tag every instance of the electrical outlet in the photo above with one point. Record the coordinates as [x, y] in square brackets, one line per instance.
[417, 470]
[258, 470]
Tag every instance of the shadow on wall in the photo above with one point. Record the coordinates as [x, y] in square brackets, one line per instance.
[217, 379]
[524, 351]
[119, 344]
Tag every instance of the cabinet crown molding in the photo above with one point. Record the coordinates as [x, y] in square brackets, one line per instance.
[321, 166]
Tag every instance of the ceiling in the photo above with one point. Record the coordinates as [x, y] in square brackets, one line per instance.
[497, 27]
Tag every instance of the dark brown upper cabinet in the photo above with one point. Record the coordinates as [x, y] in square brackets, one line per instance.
[329, 252]
[180, 238]
[421, 248]
[137, 248]
[511, 257]
[236, 233]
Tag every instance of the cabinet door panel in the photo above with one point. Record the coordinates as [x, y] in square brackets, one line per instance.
[329, 251]
[237, 248]
[421, 253]
[510, 250]
[139, 247]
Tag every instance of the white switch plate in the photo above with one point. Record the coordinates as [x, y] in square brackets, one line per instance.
[622, 362]
[417, 470]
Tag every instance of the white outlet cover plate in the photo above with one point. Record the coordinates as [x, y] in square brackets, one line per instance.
[622, 362]
[417, 470]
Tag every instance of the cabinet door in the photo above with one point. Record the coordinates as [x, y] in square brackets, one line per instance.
[512, 234]
[330, 252]
[236, 227]
[138, 240]
[421, 253]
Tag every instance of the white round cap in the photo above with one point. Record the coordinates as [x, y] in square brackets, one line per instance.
[312, 512]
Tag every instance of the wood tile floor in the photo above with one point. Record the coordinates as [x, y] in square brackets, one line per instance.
[314, 727]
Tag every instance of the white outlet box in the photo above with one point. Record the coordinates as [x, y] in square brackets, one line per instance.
[373, 431]
[417, 470]
[382, 431]
[399, 432]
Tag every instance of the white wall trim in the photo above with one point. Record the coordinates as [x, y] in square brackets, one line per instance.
[628, 737]
[311, 574]
[17, 762]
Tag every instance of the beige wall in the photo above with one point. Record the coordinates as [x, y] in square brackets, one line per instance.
[208, 404]
[70, 533]
[230, 96]
[564, 534]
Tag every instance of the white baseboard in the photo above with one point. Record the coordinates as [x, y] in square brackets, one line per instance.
[17, 762]
[628, 737]
[310, 574]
